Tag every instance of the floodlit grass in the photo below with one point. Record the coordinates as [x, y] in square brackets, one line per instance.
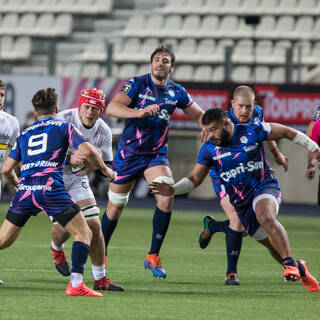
[194, 288]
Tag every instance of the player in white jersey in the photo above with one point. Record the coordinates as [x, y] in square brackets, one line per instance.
[9, 130]
[87, 119]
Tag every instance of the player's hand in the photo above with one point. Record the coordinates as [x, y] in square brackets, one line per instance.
[163, 189]
[109, 173]
[282, 161]
[203, 136]
[311, 172]
[148, 111]
[77, 158]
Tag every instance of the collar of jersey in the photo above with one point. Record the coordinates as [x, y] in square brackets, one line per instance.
[44, 118]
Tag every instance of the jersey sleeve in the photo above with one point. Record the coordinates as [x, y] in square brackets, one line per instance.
[185, 100]
[317, 114]
[15, 152]
[106, 145]
[262, 130]
[75, 136]
[130, 88]
[205, 156]
[315, 136]
[16, 130]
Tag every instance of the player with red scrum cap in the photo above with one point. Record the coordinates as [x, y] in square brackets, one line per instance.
[85, 118]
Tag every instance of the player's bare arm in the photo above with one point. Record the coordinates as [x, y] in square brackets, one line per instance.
[94, 159]
[77, 158]
[195, 113]
[8, 171]
[118, 107]
[280, 159]
[185, 185]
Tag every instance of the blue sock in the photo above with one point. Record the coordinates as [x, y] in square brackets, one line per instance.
[79, 256]
[160, 223]
[219, 226]
[233, 244]
[289, 261]
[108, 226]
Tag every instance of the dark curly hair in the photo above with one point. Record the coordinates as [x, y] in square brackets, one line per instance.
[45, 101]
[2, 85]
[164, 49]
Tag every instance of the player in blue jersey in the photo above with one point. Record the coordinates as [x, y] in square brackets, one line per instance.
[309, 133]
[41, 149]
[235, 152]
[147, 103]
[244, 110]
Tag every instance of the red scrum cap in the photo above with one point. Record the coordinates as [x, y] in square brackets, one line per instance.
[93, 97]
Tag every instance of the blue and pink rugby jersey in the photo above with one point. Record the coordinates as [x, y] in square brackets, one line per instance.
[257, 116]
[149, 135]
[241, 166]
[143, 143]
[42, 149]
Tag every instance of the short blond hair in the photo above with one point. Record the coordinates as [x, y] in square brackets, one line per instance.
[244, 91]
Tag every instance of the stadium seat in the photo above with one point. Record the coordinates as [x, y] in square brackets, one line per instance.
[205, 51]
[209, 25]
[203, 73]
[13, 5]
[302, 48]
[284, 28]
[266, 27]
[316, 29]
[268, 7]
[152, 25]
[220, 52]
[249, 7]
[287, 6]
[9, 24]
[130, 51]
[279, 51]
[183, 73]
[211, 7]
[134, 26]
[228, 27]
[22, 48]
[230, 6]
[45, 24]
[193, 6]
[27, 24]
[244, 30]
[90, 70]
[277, 75]
[174, 6]
[171, 27]
[30, 6]
[303, 28]
[103, 6]
[313, 57]
[50, 6]
[190, 26]
[94, 51]
[308, 7]
[243, 52]
[127, 71]
[218, 73]
[6, 47]
[143, 69]
[241, 74]
[71, 69]
[63, 25]
[264, 51]
[147, 47]
[186, 50]
[261, 74]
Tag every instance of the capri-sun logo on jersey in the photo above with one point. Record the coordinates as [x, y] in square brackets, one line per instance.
[251, 166]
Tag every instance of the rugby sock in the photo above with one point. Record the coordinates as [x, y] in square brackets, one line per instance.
[289, 261]
[108, 226]
[160, 223]
[219, 226]
[79, 255]
[98, 272]
[55, 247]
[233, 244]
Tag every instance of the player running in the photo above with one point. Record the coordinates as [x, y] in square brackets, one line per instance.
[85, 118]
[9, 130]
[244, 110]
[236, 154]
[147, 103]
[41, 149]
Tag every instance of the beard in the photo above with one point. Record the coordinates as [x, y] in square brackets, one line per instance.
[223, 140]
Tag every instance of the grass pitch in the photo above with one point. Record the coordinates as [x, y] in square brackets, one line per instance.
[194, 288]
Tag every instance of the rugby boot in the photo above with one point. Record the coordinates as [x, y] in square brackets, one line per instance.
[60, 261]
[1, 282]
[205, 236]
[308, 281]
[232, 279]
[291, 273]
[106, 284]
[81, 291]
[153, 263]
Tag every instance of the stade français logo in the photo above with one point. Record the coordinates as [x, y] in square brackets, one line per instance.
[244, 139]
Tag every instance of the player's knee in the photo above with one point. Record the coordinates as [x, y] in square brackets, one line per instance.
[95, 227]
[165, 179]
[119, 199]
[5, 243]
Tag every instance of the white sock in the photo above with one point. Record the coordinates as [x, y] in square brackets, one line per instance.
[57, 248]
[76, 279]
[98, 272]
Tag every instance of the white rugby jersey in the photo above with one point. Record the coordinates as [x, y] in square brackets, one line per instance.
[9, 130]
[99, 135]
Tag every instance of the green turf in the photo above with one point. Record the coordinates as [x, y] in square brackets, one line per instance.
[194, 288]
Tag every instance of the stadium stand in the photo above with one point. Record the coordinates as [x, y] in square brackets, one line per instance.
[203, 33]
